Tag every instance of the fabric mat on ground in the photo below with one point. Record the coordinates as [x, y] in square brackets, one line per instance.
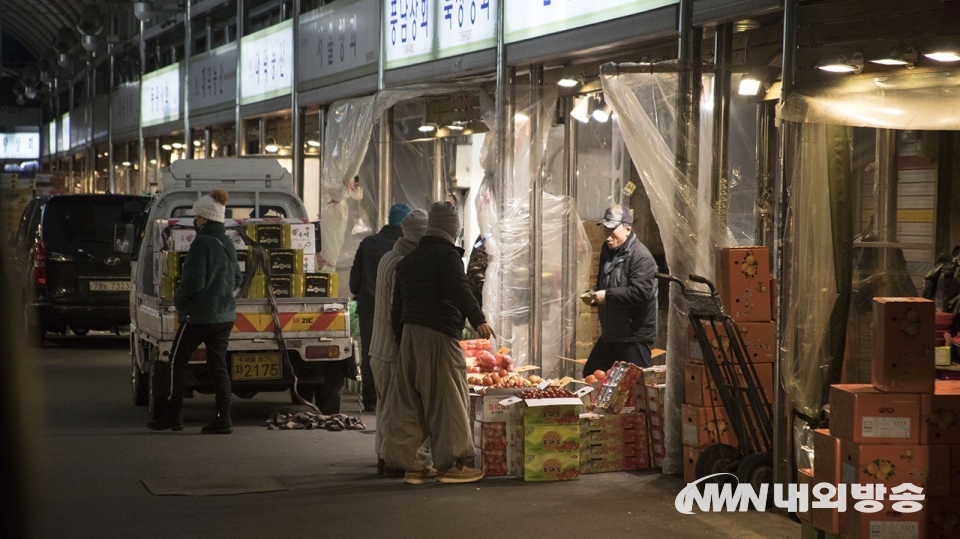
[313, 420]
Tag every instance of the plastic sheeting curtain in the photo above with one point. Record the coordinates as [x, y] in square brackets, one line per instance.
[690, 229]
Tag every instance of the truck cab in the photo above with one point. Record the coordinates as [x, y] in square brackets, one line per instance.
[315, 330]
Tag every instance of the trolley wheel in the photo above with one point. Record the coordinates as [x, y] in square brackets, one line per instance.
[717, 459]
[756, 469]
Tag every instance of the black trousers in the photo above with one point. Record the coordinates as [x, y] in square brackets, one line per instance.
[367, 386]
[189, 337]
[605, 354]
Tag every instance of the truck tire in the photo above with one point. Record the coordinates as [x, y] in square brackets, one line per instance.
[328, 391]
[138, 378]
[159, 387]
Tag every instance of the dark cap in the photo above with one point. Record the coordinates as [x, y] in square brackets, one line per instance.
[616, 215]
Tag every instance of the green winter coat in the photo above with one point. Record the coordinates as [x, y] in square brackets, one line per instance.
[210, 275]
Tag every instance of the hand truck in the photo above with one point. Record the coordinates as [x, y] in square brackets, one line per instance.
[746, 404]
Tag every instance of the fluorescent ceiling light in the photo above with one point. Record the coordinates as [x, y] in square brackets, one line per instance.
[313, 143]
[153, 161]
[166, 147]
[943, 55]
[840, 64]
[455, 127]
[177, 145]
[896, 58]
[568, 83]
[271, 148]
[197, 143]
[426, 128]
[126, 163]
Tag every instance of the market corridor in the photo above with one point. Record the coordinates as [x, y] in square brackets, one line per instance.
[97, 450]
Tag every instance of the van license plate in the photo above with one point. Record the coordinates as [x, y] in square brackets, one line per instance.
[110, 286]
[256, 367]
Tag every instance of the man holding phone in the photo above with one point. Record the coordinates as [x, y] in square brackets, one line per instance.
[626, 293]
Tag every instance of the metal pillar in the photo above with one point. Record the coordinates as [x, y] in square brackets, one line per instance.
[111, 171]
[142, 149]
[722, 60]
[766, 144]
[504, 154]
[208, 142]
[570, 239]
[885, 191]
[385, 174]
[66, 147]
[296, 116]
[782, 409]
[688, 93]
[536, 219]
[187, 53]
[239, 137]
[439, 187]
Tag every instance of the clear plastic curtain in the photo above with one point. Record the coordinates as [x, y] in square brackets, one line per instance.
[690, 229]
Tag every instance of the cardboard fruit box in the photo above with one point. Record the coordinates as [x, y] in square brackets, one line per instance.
[940, 414]
[903, 335]
[690, 457]
[704, 426]
[886, 523]
[549, 439]
[744, 283]
[549, 467]
[805, 477]
[826, 457]
[892, 465]
[759, 339]
[562, 411]
[701, 391]
[862, 414]
[943, 517]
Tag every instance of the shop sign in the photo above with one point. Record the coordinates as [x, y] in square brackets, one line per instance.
[79, 126]
[125, 106]
[63, 133]
[160, 96]
[213, 80]
[339, 41]
[417, 31]
[51, 138]
[534, 18]
[266, 63]
[19, 145]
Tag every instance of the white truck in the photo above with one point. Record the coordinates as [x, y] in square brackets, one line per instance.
[315, 330]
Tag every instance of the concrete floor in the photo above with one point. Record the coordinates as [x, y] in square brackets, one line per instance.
[95, 451]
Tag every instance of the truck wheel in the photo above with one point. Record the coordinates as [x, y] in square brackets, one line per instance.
[159, 387]
[328, 391]
[138, 378]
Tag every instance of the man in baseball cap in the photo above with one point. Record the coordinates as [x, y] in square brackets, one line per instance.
[626, 293]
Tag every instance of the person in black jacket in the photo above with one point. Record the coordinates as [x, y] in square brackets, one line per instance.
[626, 292]
[430, 398]
[363, 284]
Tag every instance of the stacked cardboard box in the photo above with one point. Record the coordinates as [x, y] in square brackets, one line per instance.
[650, 400]
[588, 318]
[548, 438]
[902, 428]
[744, 283]
[613, 442]
[494, 433]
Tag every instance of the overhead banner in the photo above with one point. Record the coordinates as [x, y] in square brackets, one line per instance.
[160, 96]
[63, 133]
[266, 63]
[19, 145]
[125, 106]
[213, 80]
[51, 138]
[418, 31]
[529, 19]
[338, 42]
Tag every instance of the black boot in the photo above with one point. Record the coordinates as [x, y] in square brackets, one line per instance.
[222, 423]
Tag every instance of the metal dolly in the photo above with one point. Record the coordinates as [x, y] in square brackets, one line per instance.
[747, 407]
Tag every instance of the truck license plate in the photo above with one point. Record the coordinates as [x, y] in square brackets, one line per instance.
[109, 286]
[257, 367]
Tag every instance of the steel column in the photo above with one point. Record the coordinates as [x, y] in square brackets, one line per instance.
[722, 61]
[536, 218]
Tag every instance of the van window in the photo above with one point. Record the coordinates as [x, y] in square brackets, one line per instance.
[88, 219]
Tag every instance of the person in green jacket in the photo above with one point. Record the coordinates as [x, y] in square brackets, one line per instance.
[206, 311]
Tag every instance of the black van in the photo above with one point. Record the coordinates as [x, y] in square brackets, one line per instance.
[75, 276]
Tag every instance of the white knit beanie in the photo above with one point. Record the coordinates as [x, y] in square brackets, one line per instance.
[414, 225]
[212, 206]
[443, 221]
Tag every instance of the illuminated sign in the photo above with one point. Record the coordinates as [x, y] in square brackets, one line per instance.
[213, 80]
[418, 31]
[337, 42]
[527, 19]
[266, 63]
[160, 96]
[19, 145]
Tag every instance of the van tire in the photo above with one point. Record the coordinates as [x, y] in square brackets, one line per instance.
[159, 387]
[79, 332]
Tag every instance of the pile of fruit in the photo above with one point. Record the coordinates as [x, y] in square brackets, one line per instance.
[597, 376]
[480, 357]
[493, 447]
[547, 393]
[503, 380]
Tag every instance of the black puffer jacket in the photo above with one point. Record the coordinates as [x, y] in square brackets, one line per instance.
[432, 290]
[363, 274]
[627, 273]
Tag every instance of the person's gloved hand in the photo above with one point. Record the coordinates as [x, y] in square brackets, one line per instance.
[485, 331]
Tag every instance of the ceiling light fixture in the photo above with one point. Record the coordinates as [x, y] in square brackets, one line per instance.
[751, 84]
[427, 128]
[907, 58]
[176, 145]
[602, 112]
[313, 143]
[580, 112]
[943, 54]
[568, 83]
[840, 64]
[197, 143]
[271, 146]
[126, 163]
